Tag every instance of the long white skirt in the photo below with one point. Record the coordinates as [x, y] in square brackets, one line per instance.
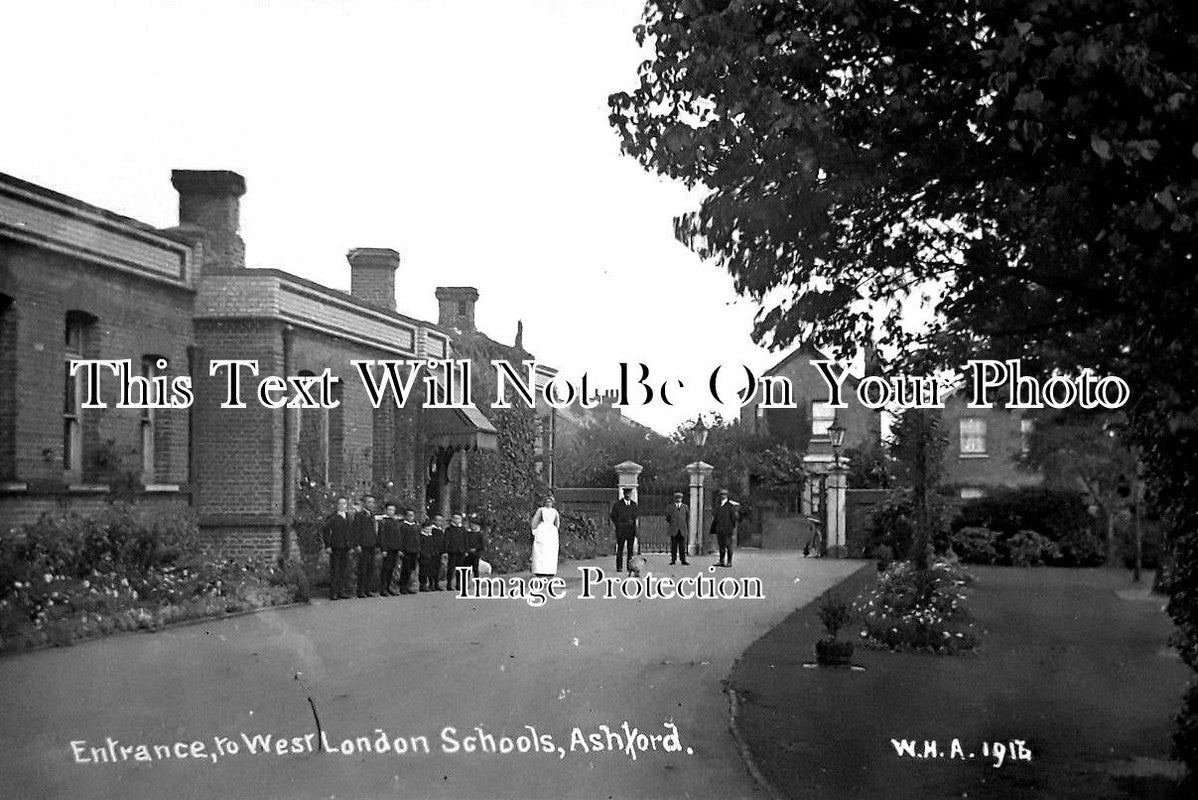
[544, 549]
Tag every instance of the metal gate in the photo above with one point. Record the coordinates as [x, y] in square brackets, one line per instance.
[653, 535]
[816, 489]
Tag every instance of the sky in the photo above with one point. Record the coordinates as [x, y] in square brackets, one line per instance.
[471, 136]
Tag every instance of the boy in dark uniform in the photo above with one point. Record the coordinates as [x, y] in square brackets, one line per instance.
[366, 537]
[389, 543]
[439, 539]
[409, 546]
[338, 538]
[432, 543]
[455, 545]
[476, 544]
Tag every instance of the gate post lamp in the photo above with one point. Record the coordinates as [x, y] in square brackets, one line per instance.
[699, 432]
[836, 437]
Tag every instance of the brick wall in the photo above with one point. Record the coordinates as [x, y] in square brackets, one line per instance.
[132, 316]
[366, 446]
[999, 466]
[238, 452]
[23, 508]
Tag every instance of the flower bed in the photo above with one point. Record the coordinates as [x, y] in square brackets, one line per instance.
[68, 577]
[910, 610]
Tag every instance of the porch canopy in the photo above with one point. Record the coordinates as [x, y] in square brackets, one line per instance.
[460, 429]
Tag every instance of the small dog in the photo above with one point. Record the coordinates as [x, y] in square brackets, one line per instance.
[637, 566]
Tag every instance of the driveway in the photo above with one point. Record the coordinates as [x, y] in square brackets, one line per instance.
[398, 669]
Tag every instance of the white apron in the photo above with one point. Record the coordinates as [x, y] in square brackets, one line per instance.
[544, 545]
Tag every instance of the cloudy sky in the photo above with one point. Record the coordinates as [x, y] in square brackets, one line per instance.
[471, 136]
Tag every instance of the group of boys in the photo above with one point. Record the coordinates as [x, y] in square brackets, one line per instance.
[413, 547]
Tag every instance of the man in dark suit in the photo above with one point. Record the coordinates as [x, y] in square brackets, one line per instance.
[389, 543]
[455, 545]
[409, 547]
[678, 524]
[623, 516]
[338, 537]
[724, 519]
[366, 537]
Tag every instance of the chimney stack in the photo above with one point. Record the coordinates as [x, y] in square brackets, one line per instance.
[211, 200]
[456, 307]
[372, 275]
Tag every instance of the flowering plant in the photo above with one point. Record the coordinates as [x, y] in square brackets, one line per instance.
[909, 609]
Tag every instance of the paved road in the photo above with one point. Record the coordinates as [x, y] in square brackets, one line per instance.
[410, 666]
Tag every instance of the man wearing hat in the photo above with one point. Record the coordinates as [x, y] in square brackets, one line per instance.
[623, 516]
[724, 519]
[677, 523]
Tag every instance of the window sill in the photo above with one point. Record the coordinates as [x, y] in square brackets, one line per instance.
[88, 488]
[973, 455]
[13, 486]
[158, 488]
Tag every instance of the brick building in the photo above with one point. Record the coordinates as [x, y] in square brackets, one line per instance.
[984, 448]
[79, 281]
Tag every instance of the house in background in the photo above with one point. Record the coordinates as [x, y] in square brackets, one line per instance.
[984, 448]
[806, 423]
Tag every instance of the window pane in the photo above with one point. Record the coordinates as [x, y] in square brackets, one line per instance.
[68, 392]
[821, 418]
[973, 435]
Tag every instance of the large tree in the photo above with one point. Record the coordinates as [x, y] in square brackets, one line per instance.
[1028, 169]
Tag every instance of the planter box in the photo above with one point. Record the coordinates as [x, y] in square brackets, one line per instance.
[833, 652]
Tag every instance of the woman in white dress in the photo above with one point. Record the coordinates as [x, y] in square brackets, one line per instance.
[545, 522]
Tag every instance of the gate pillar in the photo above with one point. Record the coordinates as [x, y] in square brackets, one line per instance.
[834, 506]
[698, 472]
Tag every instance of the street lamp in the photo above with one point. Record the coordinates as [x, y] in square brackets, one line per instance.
[836, 433]
[699, 432]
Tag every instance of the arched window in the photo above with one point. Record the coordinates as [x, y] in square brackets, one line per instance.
[152, 367]
[313, 427]
[79, 329]
[8, 389]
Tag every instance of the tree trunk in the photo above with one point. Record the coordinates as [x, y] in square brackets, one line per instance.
[1112, 552]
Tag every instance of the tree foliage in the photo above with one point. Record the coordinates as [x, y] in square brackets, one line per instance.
[1030, 168]
[1086, 451]
[917, 443]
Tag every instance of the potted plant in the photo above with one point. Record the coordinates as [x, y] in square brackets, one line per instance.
[830, 650]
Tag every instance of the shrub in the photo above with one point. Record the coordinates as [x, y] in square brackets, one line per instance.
[68, 576]
[917, 610]
[1029, 549]
[975, 545]
[834, 613]
[578, 537]
[885, 557]
[1058, 516]
[892, 527]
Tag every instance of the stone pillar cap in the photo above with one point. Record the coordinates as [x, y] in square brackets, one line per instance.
[628, 468]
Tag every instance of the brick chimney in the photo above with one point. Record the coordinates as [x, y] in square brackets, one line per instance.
[372, 275]
[456, 306]
[211, 200]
